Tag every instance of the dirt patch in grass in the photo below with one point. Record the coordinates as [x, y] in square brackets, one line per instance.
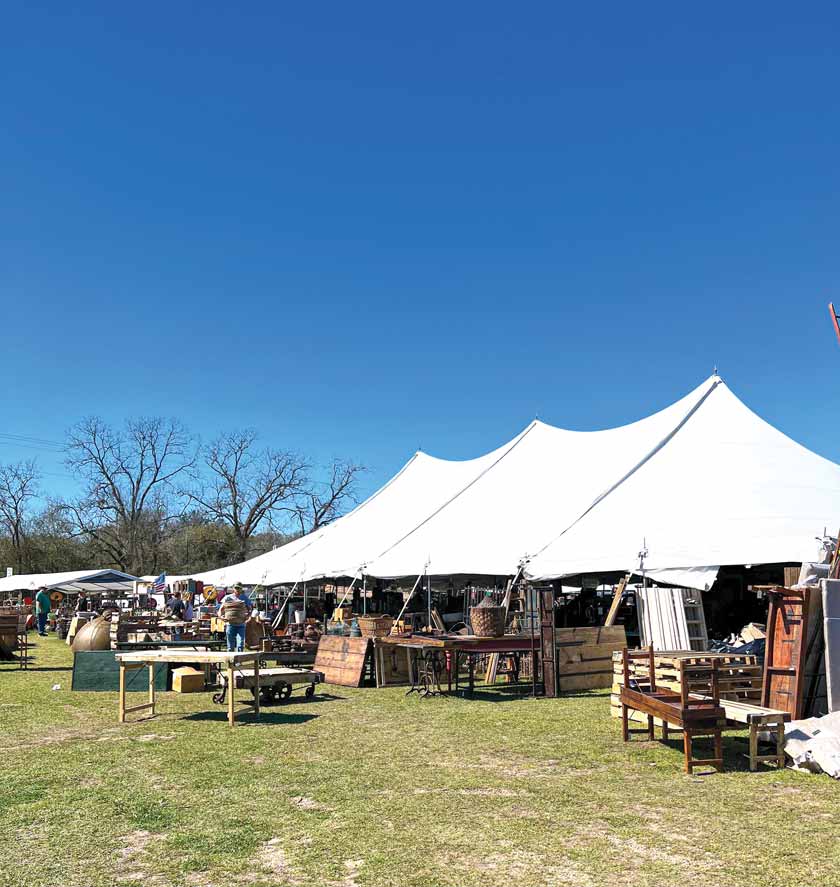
[54, 736]
[518, 866]
[272, 860]
[310, 804]
[132, 864]
[352, 866]
[472, 792]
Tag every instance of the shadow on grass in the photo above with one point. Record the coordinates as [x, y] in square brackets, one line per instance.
[33, 666]
[300, 699]
[248, 719]
[495, 694]
[735, 751]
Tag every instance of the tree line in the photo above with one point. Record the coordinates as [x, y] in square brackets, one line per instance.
[154, 498]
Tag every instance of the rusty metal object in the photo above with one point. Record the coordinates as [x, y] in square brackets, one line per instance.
[95, 635]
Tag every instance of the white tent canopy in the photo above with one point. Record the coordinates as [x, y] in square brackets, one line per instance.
[726, 488]
[344, 547]
[71, 582]
[703, 483]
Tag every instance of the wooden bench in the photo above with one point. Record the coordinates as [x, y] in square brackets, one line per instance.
[695, 713]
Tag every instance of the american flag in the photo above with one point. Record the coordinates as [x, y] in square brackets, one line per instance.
[160, 584]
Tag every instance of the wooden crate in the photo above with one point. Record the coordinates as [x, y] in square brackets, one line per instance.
[124, 624]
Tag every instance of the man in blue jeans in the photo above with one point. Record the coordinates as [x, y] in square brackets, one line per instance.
[234, 609]
[42, 610]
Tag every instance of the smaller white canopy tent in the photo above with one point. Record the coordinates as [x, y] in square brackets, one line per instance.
[111, 581]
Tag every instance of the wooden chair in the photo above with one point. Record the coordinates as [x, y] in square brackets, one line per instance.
[695, 709]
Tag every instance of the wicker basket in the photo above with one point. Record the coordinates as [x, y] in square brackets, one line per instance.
[488, 622]
[375, 626]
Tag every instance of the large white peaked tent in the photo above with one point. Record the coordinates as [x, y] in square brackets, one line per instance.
[703, 483]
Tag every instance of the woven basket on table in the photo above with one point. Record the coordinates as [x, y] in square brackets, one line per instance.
[375, 626]
[488, 622]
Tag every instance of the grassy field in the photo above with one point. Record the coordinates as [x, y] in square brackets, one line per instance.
[368, 787]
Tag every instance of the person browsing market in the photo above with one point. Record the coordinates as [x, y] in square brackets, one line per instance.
[234, 609]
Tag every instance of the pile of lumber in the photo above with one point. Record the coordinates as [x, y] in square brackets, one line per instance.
[739, 675]
[584, 656]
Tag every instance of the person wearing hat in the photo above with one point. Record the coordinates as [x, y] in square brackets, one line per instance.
[42, 610]
[234, 609]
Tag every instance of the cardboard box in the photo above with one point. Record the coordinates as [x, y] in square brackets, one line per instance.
[187, 680]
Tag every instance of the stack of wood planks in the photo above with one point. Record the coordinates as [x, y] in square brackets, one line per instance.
[584, 656]
[739, 675]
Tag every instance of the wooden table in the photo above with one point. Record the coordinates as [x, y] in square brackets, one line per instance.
[131, 646]
[228, 661]
[454, 646]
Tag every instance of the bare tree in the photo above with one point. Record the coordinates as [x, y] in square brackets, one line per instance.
[323, 502]
[18, 488]
[129, 476]
[249, 486]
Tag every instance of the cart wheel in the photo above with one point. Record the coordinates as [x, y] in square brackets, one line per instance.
[219, 698]
[284, 691]
[266, 695]
[310, 691]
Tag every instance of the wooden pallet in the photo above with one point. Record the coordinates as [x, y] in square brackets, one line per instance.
[739, 674]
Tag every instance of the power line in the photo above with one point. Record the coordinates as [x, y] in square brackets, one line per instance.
[34, 443]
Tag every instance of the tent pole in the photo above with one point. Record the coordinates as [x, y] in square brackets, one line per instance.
[364, 595]
[282, 609]
[429, 601]
[493, 659]
[411, 594]
[347, 592]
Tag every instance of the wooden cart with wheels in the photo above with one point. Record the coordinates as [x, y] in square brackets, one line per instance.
[274, 685]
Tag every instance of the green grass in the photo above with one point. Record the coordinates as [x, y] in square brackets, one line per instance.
[368, 787]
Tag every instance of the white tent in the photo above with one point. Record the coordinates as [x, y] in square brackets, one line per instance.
[703, 483]
[71, 582]
[724, 488]
[344, 547]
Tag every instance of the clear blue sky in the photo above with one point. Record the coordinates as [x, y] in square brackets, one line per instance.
[366, 228]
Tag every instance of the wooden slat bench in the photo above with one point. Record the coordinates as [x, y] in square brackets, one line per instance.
[695, 714]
